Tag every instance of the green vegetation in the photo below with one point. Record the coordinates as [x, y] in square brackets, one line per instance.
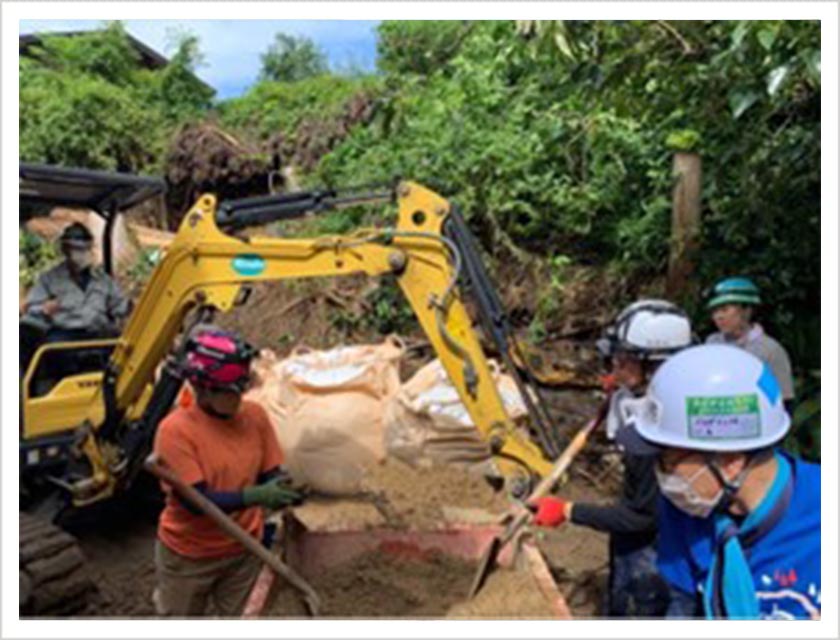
[34, 256]
[556, 138]
[277, 108]
[87, 101]
[804, 436]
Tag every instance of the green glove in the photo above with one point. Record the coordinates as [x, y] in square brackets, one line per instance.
[272, 495]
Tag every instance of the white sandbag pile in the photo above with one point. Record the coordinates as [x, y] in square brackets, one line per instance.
[328, 409]
[426, 423]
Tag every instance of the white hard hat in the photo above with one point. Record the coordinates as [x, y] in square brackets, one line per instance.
[709, 398]
[653, 329]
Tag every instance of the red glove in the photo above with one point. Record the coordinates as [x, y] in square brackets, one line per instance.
[609, 383]
[550, 511]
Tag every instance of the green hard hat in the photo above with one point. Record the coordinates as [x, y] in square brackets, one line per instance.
[734, 291]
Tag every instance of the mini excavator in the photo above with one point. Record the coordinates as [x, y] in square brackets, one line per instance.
[85, 438]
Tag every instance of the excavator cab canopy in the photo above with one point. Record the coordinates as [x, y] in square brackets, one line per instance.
[43, 187]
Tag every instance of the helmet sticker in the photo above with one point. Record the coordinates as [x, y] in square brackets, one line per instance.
[723, 417]
[769, 385]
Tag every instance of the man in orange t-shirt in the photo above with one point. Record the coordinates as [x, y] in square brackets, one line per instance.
[226, 449]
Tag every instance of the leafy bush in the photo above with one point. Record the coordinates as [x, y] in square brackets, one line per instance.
[804, 437]
[34, 256]
[270, 108]
[558, 138]
[418, 46]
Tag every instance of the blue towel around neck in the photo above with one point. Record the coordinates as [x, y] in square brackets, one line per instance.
[729, 590]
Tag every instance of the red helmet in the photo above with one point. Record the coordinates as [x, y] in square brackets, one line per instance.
[218, 359]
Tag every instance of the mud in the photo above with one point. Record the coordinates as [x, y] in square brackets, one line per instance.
[506, 594]
[336, 514]
[121, 561]
[425, 497]
[378, 586]
[433, 586]
[577, 558]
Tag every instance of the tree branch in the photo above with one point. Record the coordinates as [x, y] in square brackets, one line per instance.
[669, 29]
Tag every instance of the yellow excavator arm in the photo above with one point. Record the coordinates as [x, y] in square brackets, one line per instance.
[206, 269]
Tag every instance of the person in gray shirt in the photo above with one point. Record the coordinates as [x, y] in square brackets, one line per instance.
[732, 305]
[75, 300]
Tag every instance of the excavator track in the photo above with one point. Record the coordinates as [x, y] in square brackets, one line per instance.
[53, 575]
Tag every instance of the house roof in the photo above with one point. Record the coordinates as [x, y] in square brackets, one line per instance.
[150, 58]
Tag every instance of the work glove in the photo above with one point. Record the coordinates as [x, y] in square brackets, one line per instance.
[273, 494]
[609, 383]
[549, 511]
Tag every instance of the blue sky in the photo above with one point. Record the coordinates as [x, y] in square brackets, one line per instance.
[232, 48]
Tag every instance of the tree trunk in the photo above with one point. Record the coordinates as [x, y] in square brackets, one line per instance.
[685, 225]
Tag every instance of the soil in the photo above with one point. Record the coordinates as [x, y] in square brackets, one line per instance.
[506, 594]
[379, 586]
[374, 585]
[419, 497]
[336, 514]
[121, 561]
[302, 312]
[203, 158]
[577, 558]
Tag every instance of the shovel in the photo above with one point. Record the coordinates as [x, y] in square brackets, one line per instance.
[157, 467]
[489, 561]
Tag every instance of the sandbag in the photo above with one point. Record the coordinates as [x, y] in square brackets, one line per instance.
[327, 409]
[426, 423]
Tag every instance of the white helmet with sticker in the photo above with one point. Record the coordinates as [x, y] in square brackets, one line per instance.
[710, 398]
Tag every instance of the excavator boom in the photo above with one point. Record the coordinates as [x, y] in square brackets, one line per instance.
[206, 270]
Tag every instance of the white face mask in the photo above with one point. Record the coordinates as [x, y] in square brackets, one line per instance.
[615, 419]
[80, 258]
[681, 493]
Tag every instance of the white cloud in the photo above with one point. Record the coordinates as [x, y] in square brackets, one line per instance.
[232, 48]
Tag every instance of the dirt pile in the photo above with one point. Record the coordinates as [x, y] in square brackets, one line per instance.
[205, 159]
[321, 513]
[425, 497]
[303, 312]
[375, 585]
[506, 594]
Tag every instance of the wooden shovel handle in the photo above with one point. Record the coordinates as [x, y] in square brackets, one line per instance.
[560, 466]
